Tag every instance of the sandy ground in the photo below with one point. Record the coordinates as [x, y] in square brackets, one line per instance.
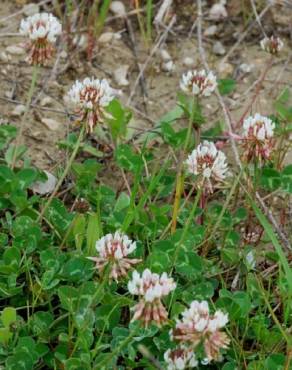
[161, 87]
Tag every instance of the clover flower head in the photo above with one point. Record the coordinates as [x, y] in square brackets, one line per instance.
[114, 249]
[272, 44]
[199, 326]
[89, 99]
[207, 162]
[42, 30]
[180, 358]
[150, 287]
[258, 132]
[198, 83]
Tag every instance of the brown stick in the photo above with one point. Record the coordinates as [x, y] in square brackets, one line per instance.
[267, 212]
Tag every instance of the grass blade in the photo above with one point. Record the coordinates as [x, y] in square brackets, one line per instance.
[273, 237]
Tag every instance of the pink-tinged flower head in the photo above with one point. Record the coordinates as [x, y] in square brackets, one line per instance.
[272, 44]
[150, 287]
[198, 83]
[89, 99]
[258, 132]
[180, 358]
[208, 163]
[115, 249]
[42, 29]
[199, 326]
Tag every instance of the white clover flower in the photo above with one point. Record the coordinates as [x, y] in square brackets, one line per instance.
[89, 98]
[199, 326]
[258, 132]
[180, 358]
[114, 249]
[151, 288]
[272, 44]
[217, 321]
[42, 29]
[198, 83]
[207, 162]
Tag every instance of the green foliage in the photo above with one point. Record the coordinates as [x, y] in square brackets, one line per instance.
[63, 310]
[226, 86]
[283, 109]
[127, 159]
[119, 120]
[191, 109]
[7, 133]
[286, 177]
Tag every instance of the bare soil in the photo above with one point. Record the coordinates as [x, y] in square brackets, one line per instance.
[161, 87]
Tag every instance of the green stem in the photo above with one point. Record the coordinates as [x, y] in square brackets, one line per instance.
[212, 232]
[186, 227]
[105, 279]
[28, 102]
[272, 313]
[177, 197]
[98, 212]
[118, 349]
[188, 137]
[256, 173]
[96, 347]
[102, 16]
[140, 21]
[65, 173]
[134, 211]
[180, 177]
[149, 19]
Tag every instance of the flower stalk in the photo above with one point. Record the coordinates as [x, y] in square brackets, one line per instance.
[35, 70]
[65, 173]
[197, 84]
[180, 175]
[186, 228]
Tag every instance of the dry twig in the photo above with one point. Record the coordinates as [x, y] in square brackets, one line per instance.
[153, 51]
[228, 121]
[245, 33]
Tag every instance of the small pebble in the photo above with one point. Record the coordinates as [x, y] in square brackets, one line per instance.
[4, 57]
[46, 101]
[188, 62]
[225, 69]
[120, 75]
[15, 50]
[117, 36]
[218, 48]
[18, 110]
[9, 94]
[80, 42]
[51, 124]
[46, 187]
[63, 54]
[165, 56]
[168, 66]
[218, 11]
[105, 37]
[211, 31]
[118, 8]
[246, 68]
